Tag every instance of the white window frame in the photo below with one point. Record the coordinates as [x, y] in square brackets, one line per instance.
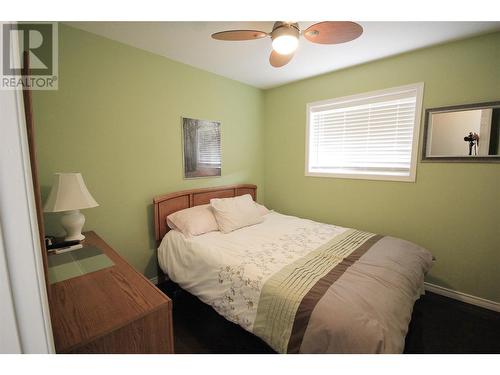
[419, 87]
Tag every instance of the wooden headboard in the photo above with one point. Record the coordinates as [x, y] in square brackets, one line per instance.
[167, 204]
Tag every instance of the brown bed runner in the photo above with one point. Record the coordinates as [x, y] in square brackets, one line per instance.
[289, 297]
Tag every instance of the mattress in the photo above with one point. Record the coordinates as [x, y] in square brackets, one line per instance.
[304, 286]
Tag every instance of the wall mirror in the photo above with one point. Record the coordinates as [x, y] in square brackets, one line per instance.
[202, 150]
[463, 133]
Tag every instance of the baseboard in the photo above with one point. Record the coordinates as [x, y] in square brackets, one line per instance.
[463, 297]
[159, 279]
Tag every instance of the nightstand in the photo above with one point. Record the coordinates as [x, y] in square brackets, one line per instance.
[114, 309]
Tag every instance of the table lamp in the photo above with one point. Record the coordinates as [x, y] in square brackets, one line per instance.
[69, 194]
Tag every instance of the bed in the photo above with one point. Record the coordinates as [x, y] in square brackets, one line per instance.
[300, 285]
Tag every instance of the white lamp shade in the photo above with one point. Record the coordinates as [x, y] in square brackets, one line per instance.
[69, 193]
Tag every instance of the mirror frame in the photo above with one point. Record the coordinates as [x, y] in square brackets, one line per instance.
[457, 159]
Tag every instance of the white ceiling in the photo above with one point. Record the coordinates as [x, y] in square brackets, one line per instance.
[190, 43]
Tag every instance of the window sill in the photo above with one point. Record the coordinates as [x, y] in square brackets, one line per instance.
[375, 177]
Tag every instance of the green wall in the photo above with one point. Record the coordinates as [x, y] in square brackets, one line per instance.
[453, 209]
[116, 119]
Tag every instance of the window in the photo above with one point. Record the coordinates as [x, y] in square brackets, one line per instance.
[372, 135]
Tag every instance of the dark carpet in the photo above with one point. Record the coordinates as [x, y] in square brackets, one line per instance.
[439, 325]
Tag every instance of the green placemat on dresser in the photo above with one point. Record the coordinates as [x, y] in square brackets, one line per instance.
[76, 263]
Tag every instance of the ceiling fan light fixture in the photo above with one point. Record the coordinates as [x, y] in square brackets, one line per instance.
[285, 44]
[285, 39]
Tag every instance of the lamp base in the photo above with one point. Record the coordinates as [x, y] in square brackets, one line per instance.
[72, 222]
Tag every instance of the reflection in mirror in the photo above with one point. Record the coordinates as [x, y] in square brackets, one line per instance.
[202, 150]
[470, 132]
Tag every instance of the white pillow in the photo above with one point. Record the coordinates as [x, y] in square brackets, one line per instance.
[235, 213]
[263, 210]
[193, 221]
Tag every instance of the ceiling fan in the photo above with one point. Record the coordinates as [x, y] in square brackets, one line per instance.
[285, 37]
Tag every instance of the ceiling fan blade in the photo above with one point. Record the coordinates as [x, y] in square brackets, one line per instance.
[333, 32]
[235, 35]
[277, 60]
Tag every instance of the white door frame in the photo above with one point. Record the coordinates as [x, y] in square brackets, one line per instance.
[9, 334]
[21, 249]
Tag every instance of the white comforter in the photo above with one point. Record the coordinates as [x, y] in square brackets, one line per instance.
[227, 271]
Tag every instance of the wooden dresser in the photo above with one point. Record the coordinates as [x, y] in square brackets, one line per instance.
[112, 310]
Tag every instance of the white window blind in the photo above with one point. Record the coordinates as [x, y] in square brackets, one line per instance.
[209, 150]
[367, 135]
